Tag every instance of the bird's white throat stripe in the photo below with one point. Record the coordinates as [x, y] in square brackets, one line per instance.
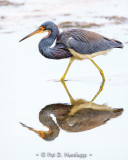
[47, 31]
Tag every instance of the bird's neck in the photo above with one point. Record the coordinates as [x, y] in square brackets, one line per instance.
[46, 43]
[46, 119]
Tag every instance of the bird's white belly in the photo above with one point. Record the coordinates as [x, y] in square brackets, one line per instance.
[87, 56]
[89, 105]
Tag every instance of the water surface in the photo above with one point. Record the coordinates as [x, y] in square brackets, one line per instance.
[28, 80]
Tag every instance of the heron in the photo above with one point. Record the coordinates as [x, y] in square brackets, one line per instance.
[76, 44]
[78, 116]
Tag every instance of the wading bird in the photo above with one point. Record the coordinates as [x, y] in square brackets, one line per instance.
[74, 44]
[79, 116]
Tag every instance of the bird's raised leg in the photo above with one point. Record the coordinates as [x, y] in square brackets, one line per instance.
[70, 62]
[100, 70]
[100, 89]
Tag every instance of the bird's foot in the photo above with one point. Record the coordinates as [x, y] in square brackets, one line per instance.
[62, 78]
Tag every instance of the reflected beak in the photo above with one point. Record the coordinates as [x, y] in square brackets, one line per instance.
[42, 134]
[31, 34]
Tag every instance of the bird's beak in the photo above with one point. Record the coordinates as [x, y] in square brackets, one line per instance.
[42, 134]
[40, 30]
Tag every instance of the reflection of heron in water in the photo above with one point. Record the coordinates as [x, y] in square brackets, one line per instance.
[81, 115]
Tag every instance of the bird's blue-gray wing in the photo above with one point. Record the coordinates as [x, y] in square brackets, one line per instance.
[86, 42]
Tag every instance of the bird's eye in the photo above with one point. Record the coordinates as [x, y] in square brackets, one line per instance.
[42, 27]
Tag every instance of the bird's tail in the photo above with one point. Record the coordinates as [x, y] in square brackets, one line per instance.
[118, 44]
[117, 112]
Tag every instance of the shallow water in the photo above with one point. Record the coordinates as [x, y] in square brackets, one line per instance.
[28, 81]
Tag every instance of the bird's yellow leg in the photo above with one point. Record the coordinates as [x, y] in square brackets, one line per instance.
[100, 89]
[100, 70]
[70, 97]
[70, 62]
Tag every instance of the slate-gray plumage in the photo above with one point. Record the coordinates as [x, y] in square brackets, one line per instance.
[86, 42]
[75, 43]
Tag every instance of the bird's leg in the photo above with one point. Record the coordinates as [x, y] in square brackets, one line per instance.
[70, 97]
[100, 89]
[70, 62]
[100, 70]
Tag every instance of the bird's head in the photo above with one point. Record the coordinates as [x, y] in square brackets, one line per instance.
[48, 26]
[46, 135]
